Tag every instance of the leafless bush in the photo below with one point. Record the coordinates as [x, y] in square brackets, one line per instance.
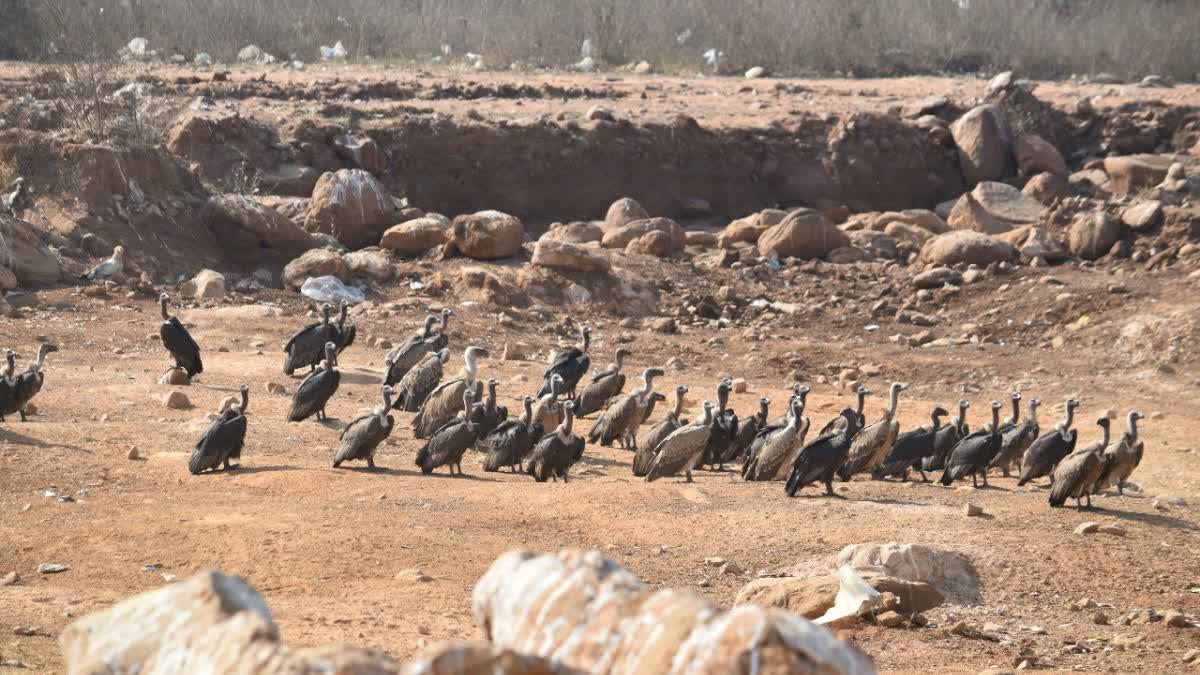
[1040, 38]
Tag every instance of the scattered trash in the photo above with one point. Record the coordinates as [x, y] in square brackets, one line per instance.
[331, 289]
[854, 597]
[713, 58]
[415, 285]
[138, 47]
[250, 53]
[871, 327]
[202, 60]
[335, 53]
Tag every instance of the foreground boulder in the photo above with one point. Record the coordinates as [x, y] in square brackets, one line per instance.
[244, 225]
[811, 597]
[994, 208]
[984, 143]
[207, 285]
[416, 236]
[486, 235]
[621, 237]
[750, 228]
[622, 212]
[590, 614]
[319, 262]
[802, 234]
[947, 571]
[33, 263]
[1091, 235]
[351, 205]
[967, 247]
[554, 253]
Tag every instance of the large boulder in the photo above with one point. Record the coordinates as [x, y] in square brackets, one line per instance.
[966, 247]
[363, 151]
[621, 236]
[207, 285]
[1046, 188]
[810, 597]
[1131, 173]
[416, 236]
[657, 243]
[802, 234]
[244, 225]
[318, 262]
[750, 228]
[985, 147]
[575, 233]
[622, 212]
[592, 615]
[1091, 235]
[486, 235]
[1142, 216]
[290, 180]
[31, 260]
[370, 263]
[555, 253]
[1037, 155]
[949, 572]
[351, 205]
[993, 208]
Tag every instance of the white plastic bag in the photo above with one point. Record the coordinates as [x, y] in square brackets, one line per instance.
[331, 289]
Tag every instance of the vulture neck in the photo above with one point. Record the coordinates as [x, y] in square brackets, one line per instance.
[527, 418]
[1065, 426]
[166, 316]
[1016, 415]
[678, 405]
[893, 398]
[1104, 435]
[564, 429]
[1133, 430]
[937, 421]
[246, 400]
[470, 366]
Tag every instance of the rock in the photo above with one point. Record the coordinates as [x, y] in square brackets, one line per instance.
[243, 225]
[134, 455]
[675, 363]
[1114, 530]
[731, 568]
[1087, 528]
[1091, 235]
[1192, 656]
[1142, 216]
[1037, 155]
[175, 376]
[276, 389]
[656, 243]
[994, 208]
[750, 228]
[905, 233]
[416, 236]
[665, 325]
[9, 579]
[576, 294]
[601, 113]
[924, 219]
[889, 620]
[1174, 618]
[176, 400]
[574, 233]
[351, 205]
[33, 263]
[966, 247]
[802, 234]
[972, 510]
[877, 244]
[370, 263]
[1100, 619]
[227, 403]
[525, 600]
[291, 180]
[1046, 188]
[643, 68]
[974, 275]
[51, 568]
[949, 573]
[755, 73]
[554, 253]
[1040, 244]
[984, 144]
[938, 277]
[486, 235]
[740, 386]
[622, 212]
[317, 262]
[620, 237]
[8, 279]
[1131, 173]
[811, 597]
[207, 285]
[700, 239]
[363, 151]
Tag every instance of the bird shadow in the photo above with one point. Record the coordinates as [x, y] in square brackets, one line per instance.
[360, 377]
[7, 435]
[1156, 519]
[244, 470]
[601, 462]
[462, 476]
[377, 471]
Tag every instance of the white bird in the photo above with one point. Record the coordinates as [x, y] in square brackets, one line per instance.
[107, 269]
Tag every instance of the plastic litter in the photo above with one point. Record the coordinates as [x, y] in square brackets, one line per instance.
[202, 60]
[138, 46]
[331, 289]
[854, 597]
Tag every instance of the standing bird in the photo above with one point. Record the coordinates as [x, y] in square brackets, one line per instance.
[316, 389]
[554, 454]
[547, 409]
[603, 386]
[972, 454]
[682, 449]
[1016, 436]
[1050, 448]
[654, 399]
[222, 441]
[571, 365]
[775, 447]
[747, 430]
[450, 441]
[872, 442]
[509, 443]
[782, 420]
[839, 421]
[821, 458]
[910, 448]
[8, 384]
[405, 356]
[360, 438]
[648, 445]
[486, 414]
[111, 268]
[343, 336]
[418, 382]
[178, 341]
[442, 403]
[946, 438]
[27, 385]
[1122, 457]
[1075, 475]
[621, 419]
[724, 431]
[307, 346]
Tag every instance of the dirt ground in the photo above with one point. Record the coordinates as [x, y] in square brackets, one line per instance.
[332, 550]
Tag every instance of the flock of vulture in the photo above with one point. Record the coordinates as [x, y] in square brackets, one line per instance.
[461, 414]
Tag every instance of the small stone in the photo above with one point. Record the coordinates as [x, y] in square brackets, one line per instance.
[714, 561]
[1160, 505]
[51, 568]
[515, 351]
[972, 510]
[890, 620]
[869, 370]
[176, 400]
[731, 568]
[175, 376]
[1100, 619]
[664, 325]
[276, 389]
[9, 579]
[740, 386]
[675, 363]
[25, 631]
[705, 583]
[1087, 528]
[1175, 619]
[1115, 530]
[1085, 603]
[134, 454]
[1192, 656]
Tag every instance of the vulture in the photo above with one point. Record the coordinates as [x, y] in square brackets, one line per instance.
[316, 389]
[8, 384]
[872, 442]
[547, 409]
[724, 430]
[971, 455]
[623, 416]
[821, 457]
[405, 356]
[360, 438]
[110, 268]
[27, 385]
[1016, 436]
[443, 403]
[178, 341]
[1050, 448]
[603, 386]
[946, 438]
[343, 336]
[1076, 475]
[746, 432]
[307, 347]
[839, 421]
[652, 401]
[911, 448]
[223, 439]
[649, 443]
[782, 420]
[773, 447]
[1122, 457]
[485, 414]
[571, 365]
[450, 441]
[554, 454]
[509, 443]
[682, 449]
[418, 382]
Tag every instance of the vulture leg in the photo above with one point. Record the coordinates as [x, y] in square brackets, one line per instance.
[974, 481]
[22, 413]
[1078, 504]
[985, 483]
[370, 462]
[689, 473]
[1120, 484]
[924, 478]
[1089, 501]
[337, 464]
